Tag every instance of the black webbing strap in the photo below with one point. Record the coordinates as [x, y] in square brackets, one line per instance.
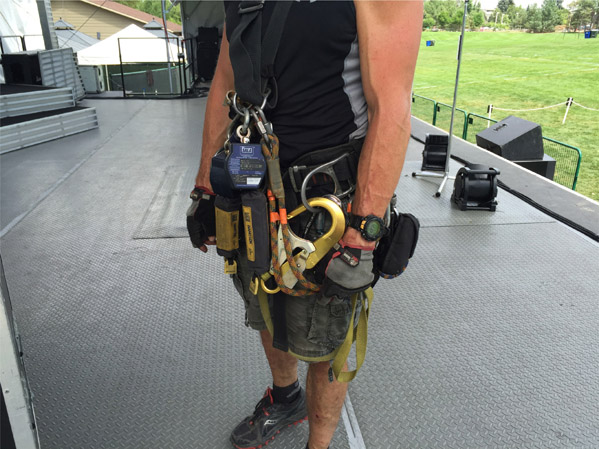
[253, 57]
[279, 322]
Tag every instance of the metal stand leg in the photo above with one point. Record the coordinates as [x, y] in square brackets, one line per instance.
[445, 175]
[426, 174]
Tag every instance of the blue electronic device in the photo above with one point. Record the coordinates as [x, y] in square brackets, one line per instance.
[246, 165]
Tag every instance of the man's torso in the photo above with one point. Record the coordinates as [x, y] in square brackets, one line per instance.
[320, 99]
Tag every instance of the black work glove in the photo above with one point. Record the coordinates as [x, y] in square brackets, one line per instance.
[349, 271]
[201, 223]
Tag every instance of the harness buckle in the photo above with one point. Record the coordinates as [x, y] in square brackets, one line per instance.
[250, 6]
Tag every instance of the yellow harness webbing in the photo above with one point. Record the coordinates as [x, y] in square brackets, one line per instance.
[359, 334]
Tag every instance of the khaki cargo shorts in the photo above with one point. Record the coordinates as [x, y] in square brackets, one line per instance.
[316, 325]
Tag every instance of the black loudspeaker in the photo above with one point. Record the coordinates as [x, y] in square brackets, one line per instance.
[434, 155]
[513, 138]
[544, 167]
[207, 52]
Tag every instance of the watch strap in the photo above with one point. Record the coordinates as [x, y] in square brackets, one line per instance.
[355, 221]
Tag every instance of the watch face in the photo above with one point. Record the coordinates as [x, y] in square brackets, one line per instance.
[373, 228]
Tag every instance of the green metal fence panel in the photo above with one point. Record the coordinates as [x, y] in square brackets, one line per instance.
[567, 161]
[474, 124]
[424, 108]
[443, 119]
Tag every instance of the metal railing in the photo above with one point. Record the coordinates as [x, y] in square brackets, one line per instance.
[567, 157]
[149, 78]
[443, 119]
[423, 108]
[474, 124]
[567, 161]
[21, 40]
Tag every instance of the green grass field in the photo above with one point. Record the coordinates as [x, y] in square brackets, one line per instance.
[513, 70]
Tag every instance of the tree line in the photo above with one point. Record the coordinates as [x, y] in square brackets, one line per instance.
[447, 15]
[154, 7]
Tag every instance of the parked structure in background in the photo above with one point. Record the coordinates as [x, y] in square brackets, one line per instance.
[103, 18]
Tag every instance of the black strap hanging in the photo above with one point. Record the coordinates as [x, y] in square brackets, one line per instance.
[253, 57]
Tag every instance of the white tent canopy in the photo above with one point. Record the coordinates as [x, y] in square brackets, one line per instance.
[136, 45]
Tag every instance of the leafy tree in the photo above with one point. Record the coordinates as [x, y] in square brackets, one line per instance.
[428, 22]
[534, 19]
[477, 18]
[550, 15]
[585, 13]
[503, 5]
[154, 7]
[443, 19]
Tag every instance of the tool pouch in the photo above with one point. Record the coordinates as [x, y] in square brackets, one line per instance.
[227, 225]
[255, 225]
[395, 249]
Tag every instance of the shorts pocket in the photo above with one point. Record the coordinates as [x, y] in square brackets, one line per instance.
[329, 322]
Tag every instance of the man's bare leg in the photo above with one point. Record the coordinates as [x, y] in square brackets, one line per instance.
[283, 365]
[324, 400]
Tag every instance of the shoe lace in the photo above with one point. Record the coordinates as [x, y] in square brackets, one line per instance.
[261, 406]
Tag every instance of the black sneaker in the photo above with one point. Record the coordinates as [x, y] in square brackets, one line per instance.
[268, 419]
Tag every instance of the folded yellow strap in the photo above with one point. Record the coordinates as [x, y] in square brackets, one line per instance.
[340, 354]
[361, 338]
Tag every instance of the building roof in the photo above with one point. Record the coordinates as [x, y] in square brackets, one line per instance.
[69, 37]
[63, 25]
[132, 13]
[156, 29]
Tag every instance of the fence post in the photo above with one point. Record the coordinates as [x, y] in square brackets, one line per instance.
[568, 104]
[489, 111]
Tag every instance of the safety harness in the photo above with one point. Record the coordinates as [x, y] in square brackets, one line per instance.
[253, 62]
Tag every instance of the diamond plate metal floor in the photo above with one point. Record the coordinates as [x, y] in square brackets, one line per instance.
[135, 340]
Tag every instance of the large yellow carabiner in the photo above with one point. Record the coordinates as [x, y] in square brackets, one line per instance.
[322, 245]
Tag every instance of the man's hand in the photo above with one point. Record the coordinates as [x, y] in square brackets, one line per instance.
[201, 223]
[349, 271]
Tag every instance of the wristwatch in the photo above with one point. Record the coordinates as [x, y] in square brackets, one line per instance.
[371, 227]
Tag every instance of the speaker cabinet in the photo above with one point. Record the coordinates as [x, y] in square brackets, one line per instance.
[207, 52]
[513, 138]
[544, 167]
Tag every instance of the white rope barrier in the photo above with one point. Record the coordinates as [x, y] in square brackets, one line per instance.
[569, 102]
[585, 107]
[534, 109]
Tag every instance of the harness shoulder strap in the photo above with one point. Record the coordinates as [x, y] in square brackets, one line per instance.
[253, 57]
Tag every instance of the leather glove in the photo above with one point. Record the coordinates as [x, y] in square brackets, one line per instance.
[201, 222]
[349, 271]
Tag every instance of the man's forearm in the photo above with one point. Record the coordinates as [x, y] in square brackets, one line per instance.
[215, 132]
[217, 114]
[381, 160]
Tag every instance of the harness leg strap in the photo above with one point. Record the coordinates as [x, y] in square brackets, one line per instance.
[279, 338]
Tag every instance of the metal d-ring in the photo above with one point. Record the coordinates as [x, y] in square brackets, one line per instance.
[244, 138]
[268, 290]
[328, 169]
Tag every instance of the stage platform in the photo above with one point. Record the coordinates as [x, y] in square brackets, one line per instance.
[135, 340]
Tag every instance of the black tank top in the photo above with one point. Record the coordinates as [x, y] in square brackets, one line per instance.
[321, 103]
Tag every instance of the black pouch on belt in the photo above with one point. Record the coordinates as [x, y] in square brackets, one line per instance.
[395, 249]
[255, 225]
[227, 225]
